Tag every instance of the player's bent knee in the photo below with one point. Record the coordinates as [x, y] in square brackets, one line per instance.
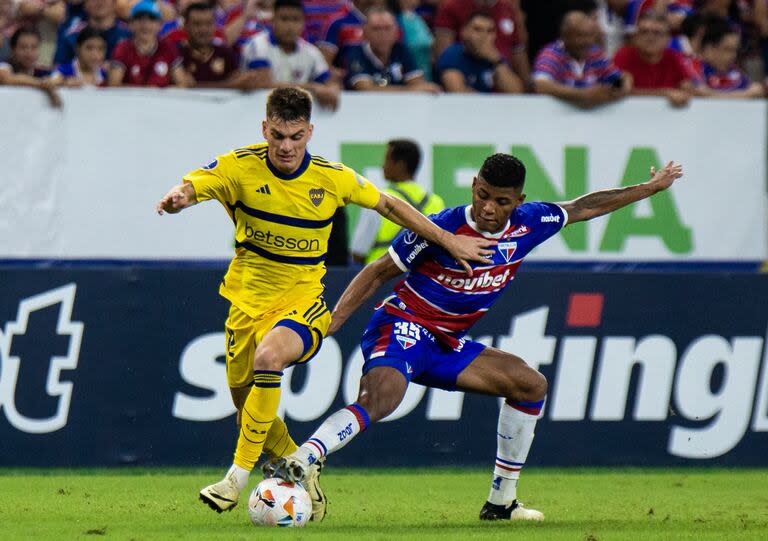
[538, 388]
[377, 407]
[268, 358]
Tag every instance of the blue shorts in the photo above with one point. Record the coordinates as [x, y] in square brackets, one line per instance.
[410, 348]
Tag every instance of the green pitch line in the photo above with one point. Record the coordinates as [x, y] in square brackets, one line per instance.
[419, 504]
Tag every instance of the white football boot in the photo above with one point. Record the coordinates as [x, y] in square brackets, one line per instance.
[221, 496]
[516, 511]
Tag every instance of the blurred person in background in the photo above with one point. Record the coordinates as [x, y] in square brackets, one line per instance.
[45, 16]
[282, 57]
[174, 30]
[416, 35]
[245, 20]
[318, 15]
[575, 69]
[717, 64]
[7, 27]
[543, 17]
[656, 69]
[143, 60]
[101, 16]
[168, 8]
[345, 29]
[381, 63]
[374, 234]
[207, 61]
[87, 69]
[22, 68]
[511, 34]
[475, 64]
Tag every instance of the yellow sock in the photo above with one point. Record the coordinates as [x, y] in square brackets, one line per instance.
[279, 441]
[259, 412]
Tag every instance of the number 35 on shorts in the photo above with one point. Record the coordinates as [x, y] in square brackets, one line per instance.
[407, 333]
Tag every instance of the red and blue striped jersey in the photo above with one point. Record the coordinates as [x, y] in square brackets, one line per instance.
[553, 62]
[438, 294]
[722, 81]
[345, 29]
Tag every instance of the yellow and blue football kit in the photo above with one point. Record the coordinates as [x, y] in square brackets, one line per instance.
[282, 224]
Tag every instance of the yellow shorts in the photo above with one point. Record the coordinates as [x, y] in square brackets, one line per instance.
[310, 319]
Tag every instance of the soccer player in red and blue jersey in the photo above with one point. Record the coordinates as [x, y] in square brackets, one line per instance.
[417, 334]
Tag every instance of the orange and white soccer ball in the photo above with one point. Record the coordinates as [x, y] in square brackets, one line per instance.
[275, 502]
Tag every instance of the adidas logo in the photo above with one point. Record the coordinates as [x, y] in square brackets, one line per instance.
[265, 190]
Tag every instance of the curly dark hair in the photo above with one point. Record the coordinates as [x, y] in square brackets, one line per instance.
[289, 104]
[503, 171]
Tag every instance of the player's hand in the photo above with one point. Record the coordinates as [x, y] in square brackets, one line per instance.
[465, 249]
[176, 200]
[664, 178]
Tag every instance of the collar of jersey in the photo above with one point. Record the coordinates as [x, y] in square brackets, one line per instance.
[473, 225]
[298, 172]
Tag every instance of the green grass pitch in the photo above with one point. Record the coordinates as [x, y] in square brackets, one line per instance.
[420, 504]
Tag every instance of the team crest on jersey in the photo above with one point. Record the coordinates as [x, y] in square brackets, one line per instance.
[316, 195]
[520, 231]
[506, 249]
[211, 165]
[406, 341]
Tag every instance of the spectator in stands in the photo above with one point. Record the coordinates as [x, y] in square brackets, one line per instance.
[45, 16]
[281, 56]
[143, 60]
[511, 35]
[543, 17]
[346, 29]
[575, 69]
[174, 30]
[688, 41]
[7, 27]
[87, 69]
[318, 15]
[373, 235]
[245, 20]
[101, 16]
[22, 69]
[381, 62]
[416, 35]
[208, 63]
[656, 69]
[717, 66]
[475, 64]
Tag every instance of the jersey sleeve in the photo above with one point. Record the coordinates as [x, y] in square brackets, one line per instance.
[218, 180]
[355, 188]
[547, 66]
[408, 250]
[544, 219]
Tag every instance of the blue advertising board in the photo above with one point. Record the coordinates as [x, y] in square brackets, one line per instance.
[125, 365]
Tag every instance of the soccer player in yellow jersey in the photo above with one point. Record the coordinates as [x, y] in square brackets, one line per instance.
[281, 200]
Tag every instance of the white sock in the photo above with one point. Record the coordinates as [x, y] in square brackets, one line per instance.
[335, 432]
[514, 436]
[240, 476]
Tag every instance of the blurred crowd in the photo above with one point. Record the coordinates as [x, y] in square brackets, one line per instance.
[586, 52]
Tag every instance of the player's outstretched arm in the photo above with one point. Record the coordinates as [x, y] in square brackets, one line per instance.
[603, 202]
[361, 288]
[461, 247]
[177, 199]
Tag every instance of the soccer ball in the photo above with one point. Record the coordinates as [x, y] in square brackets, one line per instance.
[275, 502]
